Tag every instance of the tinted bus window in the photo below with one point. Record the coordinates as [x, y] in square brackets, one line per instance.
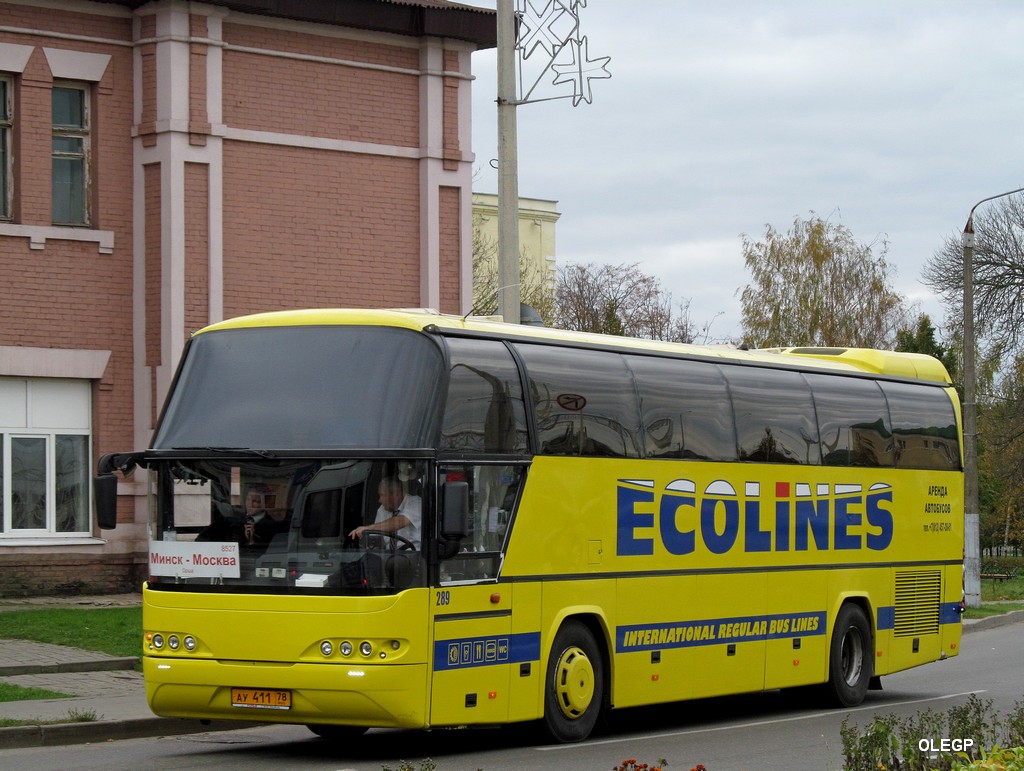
[484, 411]
[853, 421]
[923, 426]
[685, 409]
[774, 416]
[585, 402]
[304, 387]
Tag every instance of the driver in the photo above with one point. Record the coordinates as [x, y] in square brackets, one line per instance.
[398, 513]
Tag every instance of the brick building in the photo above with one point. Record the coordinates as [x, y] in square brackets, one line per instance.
[168, 164]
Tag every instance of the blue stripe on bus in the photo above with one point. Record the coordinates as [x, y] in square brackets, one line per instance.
[486, 651]
[684, 634]
[949, 613]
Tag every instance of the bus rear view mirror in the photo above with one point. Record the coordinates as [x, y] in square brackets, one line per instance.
[104, 488]
[455, 510]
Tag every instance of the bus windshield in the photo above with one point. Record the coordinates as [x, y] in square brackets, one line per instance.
[296, 388]
[328, 526]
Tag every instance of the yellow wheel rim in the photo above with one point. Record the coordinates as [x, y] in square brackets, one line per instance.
[574, 682]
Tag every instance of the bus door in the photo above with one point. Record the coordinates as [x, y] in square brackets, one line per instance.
[472, 628]
[473, 646]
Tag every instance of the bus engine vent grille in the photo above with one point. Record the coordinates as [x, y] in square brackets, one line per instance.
[918, 595]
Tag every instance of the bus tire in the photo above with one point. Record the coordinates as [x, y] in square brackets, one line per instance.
[850, 657]
[337, 733]
[574, 689]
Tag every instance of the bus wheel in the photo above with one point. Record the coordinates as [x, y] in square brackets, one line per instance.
[337, 733]
[575, 684]
[850, 658]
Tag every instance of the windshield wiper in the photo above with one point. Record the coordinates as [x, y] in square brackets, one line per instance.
[231, 451]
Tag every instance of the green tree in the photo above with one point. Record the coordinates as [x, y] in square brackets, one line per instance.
[1001, 459]
[921, 339]
[816, 285]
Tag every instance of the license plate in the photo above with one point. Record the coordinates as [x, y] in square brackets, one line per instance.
[261, 698]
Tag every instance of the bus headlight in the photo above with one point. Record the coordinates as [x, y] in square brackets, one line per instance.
[190, 643]
[326, 648]
[173, 642]
[346, 648]
[365, 648]
[158, 641]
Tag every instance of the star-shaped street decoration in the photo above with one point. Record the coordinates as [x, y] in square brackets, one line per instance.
[581, 70]
[547, 28]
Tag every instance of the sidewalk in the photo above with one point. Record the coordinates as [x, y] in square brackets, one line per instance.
[108, 692]
[111, 688]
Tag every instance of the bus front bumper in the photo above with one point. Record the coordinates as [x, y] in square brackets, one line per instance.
[391, 696]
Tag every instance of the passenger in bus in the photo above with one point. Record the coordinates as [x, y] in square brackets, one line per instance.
[255, 525]
[398, 513]
[265, 517]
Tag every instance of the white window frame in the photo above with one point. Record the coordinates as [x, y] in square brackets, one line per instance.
[28, 428]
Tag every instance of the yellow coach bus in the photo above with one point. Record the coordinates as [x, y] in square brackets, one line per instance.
[404, 519]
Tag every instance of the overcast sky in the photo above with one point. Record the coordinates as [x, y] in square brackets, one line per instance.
[890, 117]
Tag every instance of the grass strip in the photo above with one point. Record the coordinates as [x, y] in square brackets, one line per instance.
[11, 692]
[115, 631]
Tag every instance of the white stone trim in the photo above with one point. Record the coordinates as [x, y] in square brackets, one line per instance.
[14, 58]
[76, 65]
[81, 364]
[38, 235]
[317, 143]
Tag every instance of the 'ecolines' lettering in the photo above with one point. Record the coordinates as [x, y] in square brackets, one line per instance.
[834, 517]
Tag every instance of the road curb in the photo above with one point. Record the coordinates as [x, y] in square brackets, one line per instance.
[95, 732]
[92, 665]
[993, 621]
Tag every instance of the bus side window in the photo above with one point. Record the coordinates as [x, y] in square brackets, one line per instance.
[484, 410]
[585, 402]
[853, 420]
[685, 409]
[774, 416]
[493, 493]
[923, 426]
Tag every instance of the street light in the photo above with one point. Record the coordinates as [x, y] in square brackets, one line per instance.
[972, 525]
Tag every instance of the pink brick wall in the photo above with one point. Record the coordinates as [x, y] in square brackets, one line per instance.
[301, 227]
[328, 46]
[352, 240]
[451, 248]
[197, 247]
[321, 100]
[65, 22]
[68, 294]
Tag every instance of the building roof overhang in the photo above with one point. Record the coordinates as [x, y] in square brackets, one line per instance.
[416, 18]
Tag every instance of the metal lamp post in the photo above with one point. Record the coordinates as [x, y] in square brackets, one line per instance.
[972, 519]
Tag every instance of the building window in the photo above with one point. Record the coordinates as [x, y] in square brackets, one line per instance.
[44, 454]
[6, 129]
[70, 154]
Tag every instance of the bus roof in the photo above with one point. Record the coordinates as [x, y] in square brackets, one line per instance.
[888, 363]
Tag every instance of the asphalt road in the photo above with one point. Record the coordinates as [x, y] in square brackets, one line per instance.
[775, 730]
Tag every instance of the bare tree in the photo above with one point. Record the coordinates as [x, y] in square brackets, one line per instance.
[619, 300]
[998, 270]
[816, 285]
